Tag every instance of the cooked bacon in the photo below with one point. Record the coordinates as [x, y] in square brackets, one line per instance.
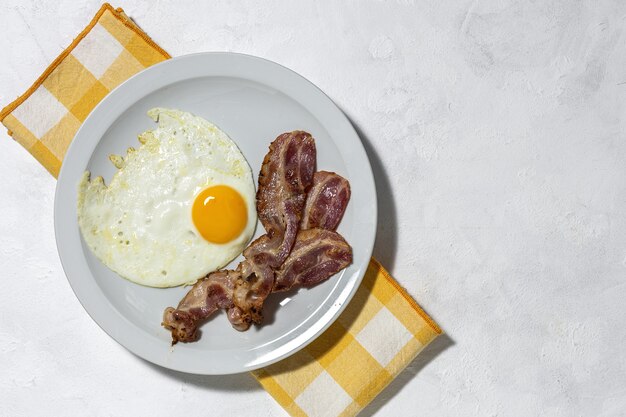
[300, 247]
[206, 296]
[318, 252]
[317, 255]
[238, 319]
[285, 177]
[326, 201]
[254, 284]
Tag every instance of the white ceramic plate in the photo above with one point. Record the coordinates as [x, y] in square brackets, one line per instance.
[253, 101]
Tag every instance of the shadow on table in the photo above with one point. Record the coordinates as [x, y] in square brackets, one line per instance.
[387, 227]
[235, 382]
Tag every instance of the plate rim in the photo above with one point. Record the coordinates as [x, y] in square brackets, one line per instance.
[62, 183]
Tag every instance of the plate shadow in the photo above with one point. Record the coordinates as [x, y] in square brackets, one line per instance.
[387, 228]
[234, 382]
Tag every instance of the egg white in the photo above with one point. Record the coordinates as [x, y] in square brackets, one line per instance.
[140, 225]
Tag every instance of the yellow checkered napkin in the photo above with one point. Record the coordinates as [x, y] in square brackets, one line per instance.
[46, 117]
[339, 373]
[380, 332]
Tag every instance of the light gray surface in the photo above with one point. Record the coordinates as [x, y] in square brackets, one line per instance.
[496, 130]
[217, 86]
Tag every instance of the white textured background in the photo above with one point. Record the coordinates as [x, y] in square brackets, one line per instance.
[496, 130]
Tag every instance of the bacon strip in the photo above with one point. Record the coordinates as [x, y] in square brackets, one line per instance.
[326, 201]
[285, 177]
[317, 255]
[255, 282]
[205, 297]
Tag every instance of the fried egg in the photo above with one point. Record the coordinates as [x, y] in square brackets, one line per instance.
[179, 206]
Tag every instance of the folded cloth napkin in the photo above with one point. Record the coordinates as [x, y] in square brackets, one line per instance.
[380, 332]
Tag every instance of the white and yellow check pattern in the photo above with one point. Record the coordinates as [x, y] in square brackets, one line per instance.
[109, 50]
[375, 338]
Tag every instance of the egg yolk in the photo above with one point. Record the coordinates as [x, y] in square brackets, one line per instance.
[219, 213]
